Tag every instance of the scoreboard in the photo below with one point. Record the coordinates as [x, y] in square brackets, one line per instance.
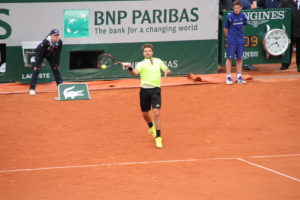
[258, 21]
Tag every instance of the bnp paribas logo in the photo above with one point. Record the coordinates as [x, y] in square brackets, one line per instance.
[76, 23]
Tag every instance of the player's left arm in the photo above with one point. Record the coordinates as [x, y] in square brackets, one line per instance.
[165, 69]
[168, 71]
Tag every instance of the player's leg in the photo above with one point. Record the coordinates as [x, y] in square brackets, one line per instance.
[55, 70]
[228, 66]
[239, 64]
[230, 56]
[36, 69]
[156, 114]
[156, 105]
[57, 75]
[147, 118]
[145, 105]
[34, 78]
[158, 138]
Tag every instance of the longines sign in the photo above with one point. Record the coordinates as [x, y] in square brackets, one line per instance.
[256, 18]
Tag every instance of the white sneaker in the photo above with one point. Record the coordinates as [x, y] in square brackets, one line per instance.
[32, 92]
[240, 80]
[229, 81]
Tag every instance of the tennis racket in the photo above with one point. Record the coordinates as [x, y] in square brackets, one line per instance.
[107, 60]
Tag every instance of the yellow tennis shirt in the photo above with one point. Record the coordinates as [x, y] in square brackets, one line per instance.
[150, 72]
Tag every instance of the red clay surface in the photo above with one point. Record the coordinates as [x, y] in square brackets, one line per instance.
[18, 88]
[100, 148]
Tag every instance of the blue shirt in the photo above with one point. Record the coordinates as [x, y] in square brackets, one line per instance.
[235, 25]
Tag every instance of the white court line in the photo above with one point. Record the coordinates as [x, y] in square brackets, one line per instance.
[268, 169]
[98, 165]
[275, 156]
[111, 164]
[136, 163]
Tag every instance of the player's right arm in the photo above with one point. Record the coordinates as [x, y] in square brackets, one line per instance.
[132, 71]
[135, 71]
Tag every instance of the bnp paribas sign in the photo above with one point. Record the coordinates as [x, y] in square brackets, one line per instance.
[121, 22]
[256, 18]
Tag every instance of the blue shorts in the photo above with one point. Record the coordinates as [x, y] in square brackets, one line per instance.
[235, 51]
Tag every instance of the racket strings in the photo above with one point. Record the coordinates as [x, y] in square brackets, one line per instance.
[105, 60]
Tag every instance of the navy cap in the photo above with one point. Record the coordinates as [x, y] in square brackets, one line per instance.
[54, 32]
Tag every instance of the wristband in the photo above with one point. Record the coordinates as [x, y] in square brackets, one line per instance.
[130, 69]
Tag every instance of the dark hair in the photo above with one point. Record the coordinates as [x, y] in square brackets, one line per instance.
[147, 46]
[236, 3]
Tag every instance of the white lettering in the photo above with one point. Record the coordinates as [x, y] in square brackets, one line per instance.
[265, 15]
[41, 76]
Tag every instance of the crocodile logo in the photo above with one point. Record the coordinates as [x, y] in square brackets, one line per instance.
[70, 93]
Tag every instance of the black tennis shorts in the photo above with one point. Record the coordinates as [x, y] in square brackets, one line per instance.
[150, 97]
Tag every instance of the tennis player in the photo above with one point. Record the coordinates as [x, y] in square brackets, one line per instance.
[49, 48]
[150, 93]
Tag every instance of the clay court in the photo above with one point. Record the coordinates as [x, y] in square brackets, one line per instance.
[220, 141]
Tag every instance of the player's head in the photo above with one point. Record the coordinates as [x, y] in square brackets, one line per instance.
[54, 33]
[147, 50]
[237, 7]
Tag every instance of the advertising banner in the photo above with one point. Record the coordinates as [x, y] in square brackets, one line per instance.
[185, 34]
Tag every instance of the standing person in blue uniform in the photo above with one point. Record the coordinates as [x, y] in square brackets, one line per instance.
[234, 32]
[295, 33]
[50, 48]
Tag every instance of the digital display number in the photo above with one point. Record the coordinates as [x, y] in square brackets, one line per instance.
[251, 41]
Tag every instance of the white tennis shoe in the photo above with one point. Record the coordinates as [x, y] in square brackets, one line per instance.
[229, 81]
[32, 92]
[240, 80]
